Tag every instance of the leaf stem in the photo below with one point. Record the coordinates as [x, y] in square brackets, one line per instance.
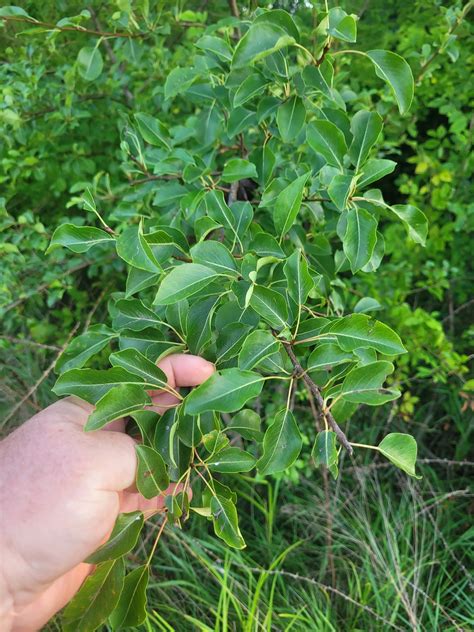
[157, 539]
[364, 445]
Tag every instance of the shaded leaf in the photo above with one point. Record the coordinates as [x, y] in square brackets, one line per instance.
[397, 73]
[130, 610]
[118, 402]
[326, 139]
[225, 391]
[281, 444]
[325, 451]
[152, 477]
[123, 538]
[226, 524]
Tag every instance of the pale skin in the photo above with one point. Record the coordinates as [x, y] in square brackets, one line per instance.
[61, 490]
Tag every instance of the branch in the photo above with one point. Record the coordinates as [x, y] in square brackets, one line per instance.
[79, 29]
[316, 393]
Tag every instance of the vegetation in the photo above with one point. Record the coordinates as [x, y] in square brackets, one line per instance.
[285, 191]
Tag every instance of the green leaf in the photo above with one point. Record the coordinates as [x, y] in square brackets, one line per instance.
[135, 362]
[77, 238]
[229, 341]
[84, 347]
[290, 119]
[400, 449]
[341, 26]
[152, 130]
[133, 248]
[397, 73]
[138, 280]
[364, 385]
[265, 245]
[339, 190]
[118, 402]
[325, 451]
[96, 599]
[288, 204]
[226, 524]
[188, 429]
[365, 128]
[251, 87]
[238, 169]
[281, 444]
[375, 169]
[240, 120]
[123, 538]
[326, 139]
[257, 346]
[360, 237]
[359, 330]
[261, 40]
[13, 11]
[199, 319]
[300, 282]
[271, 306]
[279, 18]
[132, 314]
[92, 384]
[90, 63]
[246, 423]
[152, 477]
[214, 255]
[219, 211]
[225, 391]
[130, 610]
[216, 45]
[183, 281]
[179, 80]
[231, 461]
[415, 222]
[327, 355]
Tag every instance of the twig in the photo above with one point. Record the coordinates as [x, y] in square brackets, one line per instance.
[318, 397]
[44, 375]
[327, 496]
[78, 29]
[94, 307]
[23, 341]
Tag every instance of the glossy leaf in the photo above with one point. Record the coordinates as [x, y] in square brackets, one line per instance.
[184, 281]
[78, 238]
[119, 401]
[300, 282]
[327, 355]
[397, 73]
[225, 391]
[84, 347]
[231, 461]
[290, 118]
[271, 305]
[90, 63]
[251, 87]
[365, 128]
[375, 169]
[238, 169]
[288, 204]
[340, 189]
[247, 424]
[401, 450]
[96, 599]
[152, 130]
[260, 41]
[214, 255]
[258, 346]
[326, 139]
[133, 314]
[341, 26]
[130, 610]
[138, 364]
[92, 384]
[123, 538]
[358, 330]
[414, 220]
[364, 385]
[281, 444]
[226, 524]
[133, 248]
[360, 237]
[325, 451]
[152, 477]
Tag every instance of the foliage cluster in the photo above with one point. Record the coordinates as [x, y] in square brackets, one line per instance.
[227, 166]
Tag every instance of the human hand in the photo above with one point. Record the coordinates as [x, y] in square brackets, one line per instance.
[61, 490]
